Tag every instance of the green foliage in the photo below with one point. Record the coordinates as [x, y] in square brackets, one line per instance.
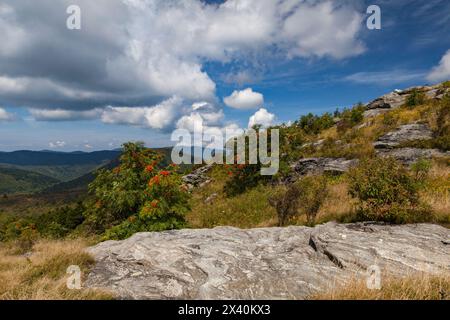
[415, 98]
[443, 125]
[304, 197]
[14, 180]
[313, 124]
[244, 176]
[137, 196]
[446, 85]
[386, 192]
[56, 223]
[350, 118]
[421, 168]
[119, 193]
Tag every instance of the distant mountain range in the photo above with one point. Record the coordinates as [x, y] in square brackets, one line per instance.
[30, 171]
[50, 172]
[51, 158]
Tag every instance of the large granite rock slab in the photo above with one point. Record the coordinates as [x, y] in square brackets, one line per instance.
[270, 263]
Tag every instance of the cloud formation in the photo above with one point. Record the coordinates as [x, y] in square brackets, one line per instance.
[244, 99]
[6, 116]
[136, 52]
[262, 117]
[442, 71]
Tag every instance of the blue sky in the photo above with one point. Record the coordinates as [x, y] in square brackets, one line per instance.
[137, 71]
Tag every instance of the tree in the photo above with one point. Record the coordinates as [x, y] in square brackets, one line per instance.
[138, 195]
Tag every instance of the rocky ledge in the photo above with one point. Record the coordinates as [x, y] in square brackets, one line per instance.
[404, 133]
[321, 165]
[270, 263]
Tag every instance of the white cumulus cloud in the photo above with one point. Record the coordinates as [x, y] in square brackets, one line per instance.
[244, 99]
[442, 71]
[262, 117]
[160, 116]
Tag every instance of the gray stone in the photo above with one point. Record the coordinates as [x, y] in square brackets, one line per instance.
[389, 101]
[374, 112]
[269, 263]
[321, 165]
[405, 133]
[211, 198]
[409, 156]
[197, 177]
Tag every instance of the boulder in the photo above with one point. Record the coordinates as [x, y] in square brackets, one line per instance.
[269, 263]
[197, 177]
[409, 156]
[405, 133]
[321, 165]
[389, 101]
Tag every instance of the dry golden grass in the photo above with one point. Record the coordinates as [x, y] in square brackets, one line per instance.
[415, 287]
[42, 275]
[437, 191]
[337, 205]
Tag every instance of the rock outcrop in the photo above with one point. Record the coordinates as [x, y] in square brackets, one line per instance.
[197, 177]
[388, 101]
[397, 98]
[405, 133]
[270, 263]
[409, 156]
[321, 165]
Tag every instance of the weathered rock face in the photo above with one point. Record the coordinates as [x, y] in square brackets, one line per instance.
[197, 177]
[389, 101]
[405, 133]
[409, 156]
[271, 263]
[321, 165]
[398, 98]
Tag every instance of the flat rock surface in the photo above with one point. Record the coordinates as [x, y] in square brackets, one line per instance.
[409, 156]
[269, 263]
[321, 165]
[404, 133]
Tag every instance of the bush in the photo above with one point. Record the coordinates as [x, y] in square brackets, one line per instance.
[244, 176]
[415, 98]
[421, 168]
[351, 117]
[304, 197]
[386, 192]
[138, 195]
[120, 193]
[313, 124]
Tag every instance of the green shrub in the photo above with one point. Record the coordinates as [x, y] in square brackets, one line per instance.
[386, 192]
[351, 117]
[138, 196]
[446, 84]
[303, 197]
[120, 193]
[313, 124]
[415, 98]
[421, 168]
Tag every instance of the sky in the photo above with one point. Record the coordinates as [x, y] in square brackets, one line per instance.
[139, 69]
